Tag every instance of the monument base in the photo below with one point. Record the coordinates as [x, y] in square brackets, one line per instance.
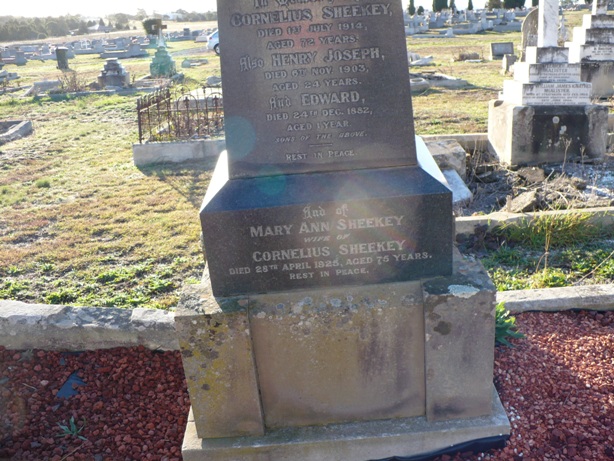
[345, 373]
[601, 75]
[531, 135]
[353, 441]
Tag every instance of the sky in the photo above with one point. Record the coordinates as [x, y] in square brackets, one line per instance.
[102, 8]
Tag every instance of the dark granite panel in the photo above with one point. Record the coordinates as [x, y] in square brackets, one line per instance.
[314, 86]
[348, 228]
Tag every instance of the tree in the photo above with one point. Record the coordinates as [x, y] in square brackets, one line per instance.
[420, 10]
[121, 20]
[82, 28]
[101, 23]
[439, 5]
[494, 4]
[452, 6]
[411, 9]
[534, 2]
[470, 5]
[148, 25]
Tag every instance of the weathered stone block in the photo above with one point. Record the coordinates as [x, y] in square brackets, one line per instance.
[546, 54]
[529, 135]
[601, 76]
[339, 355]
[448, 154]
[405, 437]
[459, 319]
[215, 343]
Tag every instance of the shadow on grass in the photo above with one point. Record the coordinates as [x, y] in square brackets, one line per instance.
[190, 179]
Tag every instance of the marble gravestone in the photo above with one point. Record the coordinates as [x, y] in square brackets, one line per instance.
[545, 114]
[593, 48]
[334, 321]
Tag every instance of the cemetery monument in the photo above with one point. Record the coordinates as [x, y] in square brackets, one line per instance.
[334, 320]
[545, 114]
[593, 48]
[113, 74]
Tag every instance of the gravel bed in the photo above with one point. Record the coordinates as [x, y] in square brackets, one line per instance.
[557, 385]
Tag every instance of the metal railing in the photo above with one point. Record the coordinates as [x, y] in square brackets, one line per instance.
[178, 114]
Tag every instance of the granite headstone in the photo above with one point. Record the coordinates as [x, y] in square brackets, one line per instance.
[320, 185]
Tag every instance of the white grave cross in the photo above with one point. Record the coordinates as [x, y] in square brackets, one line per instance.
[548, 23]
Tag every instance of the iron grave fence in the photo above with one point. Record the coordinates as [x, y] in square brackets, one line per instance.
[179, 114]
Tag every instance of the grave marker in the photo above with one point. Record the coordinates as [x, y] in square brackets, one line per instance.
[500, 49]
[593, 48]
[329, 307]
[328, 111]
[327, 88]
[545, 114]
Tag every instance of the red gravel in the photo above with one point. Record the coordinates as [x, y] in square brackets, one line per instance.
[557, 386]
[135, 405]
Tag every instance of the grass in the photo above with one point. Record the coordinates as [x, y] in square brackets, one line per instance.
[550, 251]
[81, 225]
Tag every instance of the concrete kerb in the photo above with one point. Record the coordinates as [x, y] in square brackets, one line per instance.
[466, 225]
[174, 152]
[53, 327]
[66, 328]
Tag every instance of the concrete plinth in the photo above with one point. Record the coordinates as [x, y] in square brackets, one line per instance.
[350, 442]
[530, 135]
[341, 373]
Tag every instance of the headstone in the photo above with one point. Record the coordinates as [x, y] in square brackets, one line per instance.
[507, 62]
[61, 54]
[313, 110]
[529, 32]
[329, 304]
[114, 74]
[20, 58]
[544, 114]
[500, 49]
[593, 48]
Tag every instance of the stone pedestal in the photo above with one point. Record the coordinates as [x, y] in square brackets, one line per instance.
[531, 135]
[593, 48]
[343, 373]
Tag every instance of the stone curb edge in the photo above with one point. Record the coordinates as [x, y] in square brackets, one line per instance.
[53, 327]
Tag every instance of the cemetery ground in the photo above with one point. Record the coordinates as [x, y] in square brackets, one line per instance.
[81, 225]
[132, 403]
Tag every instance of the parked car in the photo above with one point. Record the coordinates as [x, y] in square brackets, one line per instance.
[213, 42]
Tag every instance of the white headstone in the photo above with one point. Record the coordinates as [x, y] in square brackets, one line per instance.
[548, 23]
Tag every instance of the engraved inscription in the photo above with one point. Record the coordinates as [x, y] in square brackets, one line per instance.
[335, 243]
[328, 62]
